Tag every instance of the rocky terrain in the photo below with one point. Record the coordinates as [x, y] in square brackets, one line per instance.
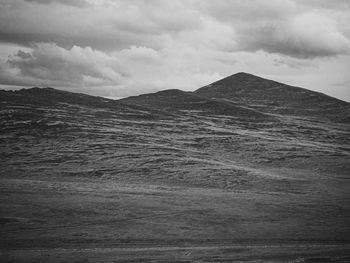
[243, 169]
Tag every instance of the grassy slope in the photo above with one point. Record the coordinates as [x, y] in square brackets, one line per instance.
[92, 218]
[102, 174]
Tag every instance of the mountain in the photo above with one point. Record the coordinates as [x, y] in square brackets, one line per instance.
[244, 160]
[229, 127]
[274, 97]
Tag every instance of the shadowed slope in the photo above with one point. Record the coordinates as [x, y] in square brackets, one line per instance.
[52, 97]
[177, 100]
[274, 97]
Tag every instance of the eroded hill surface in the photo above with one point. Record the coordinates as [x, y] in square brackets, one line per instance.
[243, 159]
[271, 96]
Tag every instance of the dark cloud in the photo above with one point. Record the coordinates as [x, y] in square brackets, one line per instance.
[11, 79]
[334, 4]
[77, 3]
[105, 25]
[292, 28]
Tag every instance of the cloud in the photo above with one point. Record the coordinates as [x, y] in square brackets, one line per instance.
[138, 54]
[48, 64]
[290, 28]
[248, 12]
[77, 3]
[305, 36]
[104, 25]
[326, 4]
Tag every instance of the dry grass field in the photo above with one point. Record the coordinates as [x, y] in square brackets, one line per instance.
[175, 176]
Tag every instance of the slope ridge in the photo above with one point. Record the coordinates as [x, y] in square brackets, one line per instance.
[275, 97]
[177, 100]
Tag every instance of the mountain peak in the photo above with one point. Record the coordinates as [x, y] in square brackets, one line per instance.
[245, 80]
[242, 75]
[275, 97]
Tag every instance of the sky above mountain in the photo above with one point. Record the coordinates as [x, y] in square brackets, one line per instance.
[122, 48]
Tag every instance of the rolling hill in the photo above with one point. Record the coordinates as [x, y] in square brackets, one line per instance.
[244, 160]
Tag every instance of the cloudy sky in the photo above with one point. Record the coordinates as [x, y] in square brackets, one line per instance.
[127, 47]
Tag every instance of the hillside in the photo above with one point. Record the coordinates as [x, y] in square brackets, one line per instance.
[274, 97]
[191, 103]
[242, 161]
